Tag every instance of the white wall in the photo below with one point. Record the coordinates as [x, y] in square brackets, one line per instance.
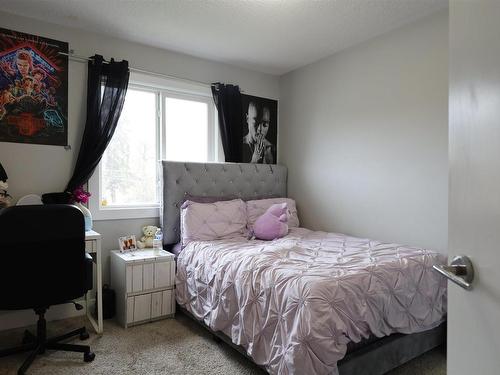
[364, 134]
[39, 169]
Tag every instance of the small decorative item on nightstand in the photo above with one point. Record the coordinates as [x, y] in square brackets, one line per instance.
[127, 243]
[144, 285]
[158, 241]
[147, 240]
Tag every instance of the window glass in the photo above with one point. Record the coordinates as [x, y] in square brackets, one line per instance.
[129, 165]
[186, 130]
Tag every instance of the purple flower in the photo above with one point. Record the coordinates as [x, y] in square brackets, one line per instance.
[80, 195]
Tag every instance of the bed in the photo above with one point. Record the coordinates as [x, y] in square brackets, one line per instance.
[310, 302]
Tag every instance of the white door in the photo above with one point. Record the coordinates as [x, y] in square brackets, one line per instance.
[474, 210]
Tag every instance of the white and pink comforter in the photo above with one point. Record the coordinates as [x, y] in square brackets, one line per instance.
[295, 303]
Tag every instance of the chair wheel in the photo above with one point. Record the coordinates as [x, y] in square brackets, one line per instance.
[84, 335]
[88, 357]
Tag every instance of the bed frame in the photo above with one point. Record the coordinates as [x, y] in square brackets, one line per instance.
[374, 356]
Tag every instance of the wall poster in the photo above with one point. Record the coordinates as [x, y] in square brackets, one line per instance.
[33, 89]
[260, 129]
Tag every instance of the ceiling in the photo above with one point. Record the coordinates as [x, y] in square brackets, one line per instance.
[270, 36]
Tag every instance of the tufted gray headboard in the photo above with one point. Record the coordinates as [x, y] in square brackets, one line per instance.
[246, 181]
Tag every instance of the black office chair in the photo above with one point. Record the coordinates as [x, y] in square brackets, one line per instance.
[43, 263]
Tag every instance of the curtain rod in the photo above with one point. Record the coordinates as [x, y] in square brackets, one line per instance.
[72, 56]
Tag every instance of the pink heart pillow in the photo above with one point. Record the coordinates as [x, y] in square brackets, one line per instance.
[273, 223]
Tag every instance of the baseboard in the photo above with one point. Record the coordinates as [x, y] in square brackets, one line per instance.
[22, 318]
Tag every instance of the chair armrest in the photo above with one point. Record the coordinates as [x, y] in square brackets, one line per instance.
[89, 272]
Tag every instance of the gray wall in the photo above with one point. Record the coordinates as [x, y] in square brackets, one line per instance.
[39, 169]
[364, 134]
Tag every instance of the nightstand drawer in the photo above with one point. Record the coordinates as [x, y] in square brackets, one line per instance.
[168, 302]
[130, 310]
[156, 305]
[147, 276]
[142, 307]
[164, 274]
[137, 278]
[144, 277]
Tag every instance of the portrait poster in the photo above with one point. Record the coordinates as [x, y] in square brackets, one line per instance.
[260, 129]
[33, 89]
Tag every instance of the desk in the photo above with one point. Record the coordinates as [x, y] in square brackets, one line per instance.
[93, 246]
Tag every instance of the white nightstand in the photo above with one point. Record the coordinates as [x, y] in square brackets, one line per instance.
[144, 285]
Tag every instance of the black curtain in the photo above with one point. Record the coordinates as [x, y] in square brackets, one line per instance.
[227, 99]
[3, 174]
[103, 112]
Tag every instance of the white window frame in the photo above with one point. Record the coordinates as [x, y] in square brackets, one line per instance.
[163, 87]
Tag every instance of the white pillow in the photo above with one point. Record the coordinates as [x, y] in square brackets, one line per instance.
[212, 221]
[257, 207]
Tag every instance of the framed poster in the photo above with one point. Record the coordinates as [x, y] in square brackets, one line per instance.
[33, 89]
[260, 129]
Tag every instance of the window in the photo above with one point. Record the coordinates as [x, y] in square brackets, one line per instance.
[131, 153]
[186, 129]
[162, 121]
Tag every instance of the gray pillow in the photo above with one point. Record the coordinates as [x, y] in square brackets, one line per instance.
[207, 198]
[212, 199]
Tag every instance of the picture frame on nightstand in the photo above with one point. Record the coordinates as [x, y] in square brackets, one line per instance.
[127, 243]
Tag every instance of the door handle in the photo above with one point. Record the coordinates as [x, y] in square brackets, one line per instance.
[460, 271]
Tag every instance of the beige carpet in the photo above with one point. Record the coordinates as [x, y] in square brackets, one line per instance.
[171, 346]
